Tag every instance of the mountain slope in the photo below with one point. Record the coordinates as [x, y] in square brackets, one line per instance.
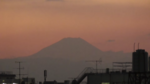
[70, 48]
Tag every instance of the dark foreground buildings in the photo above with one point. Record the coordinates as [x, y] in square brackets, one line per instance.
[140, 74]
[7, 77]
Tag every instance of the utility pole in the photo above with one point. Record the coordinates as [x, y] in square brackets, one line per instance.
[27, 75]
[96, 61]
[45, 75]
[19, 62]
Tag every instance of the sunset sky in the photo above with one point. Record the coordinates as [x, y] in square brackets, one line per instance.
[27, 26]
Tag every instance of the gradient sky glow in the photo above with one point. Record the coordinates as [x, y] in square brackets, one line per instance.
[27, 26]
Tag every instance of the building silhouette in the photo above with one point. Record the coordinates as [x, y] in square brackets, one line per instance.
[140, 61]
[139, 74]
[7, 77]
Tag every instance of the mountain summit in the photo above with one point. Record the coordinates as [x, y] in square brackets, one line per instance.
[70, 48]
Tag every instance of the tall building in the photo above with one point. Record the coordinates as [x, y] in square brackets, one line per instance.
[140, 61]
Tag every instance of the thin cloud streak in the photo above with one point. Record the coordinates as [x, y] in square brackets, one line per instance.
[111, 41]
[56, 0]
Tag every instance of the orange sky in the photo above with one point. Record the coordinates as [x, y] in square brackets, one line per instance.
[27, 26]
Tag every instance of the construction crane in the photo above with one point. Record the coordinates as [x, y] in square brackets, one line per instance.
[96, 61]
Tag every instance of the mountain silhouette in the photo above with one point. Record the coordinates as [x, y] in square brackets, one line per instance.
[64, 59]
[70, 48]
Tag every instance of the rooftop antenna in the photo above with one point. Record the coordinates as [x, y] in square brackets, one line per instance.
[138, 45]
[134, 47]
[123, 65]
[19, 62]
[96, 61]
